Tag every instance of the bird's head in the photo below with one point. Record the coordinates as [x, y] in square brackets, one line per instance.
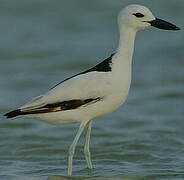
[139, 17]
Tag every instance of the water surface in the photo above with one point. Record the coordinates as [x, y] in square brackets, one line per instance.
[43, 42]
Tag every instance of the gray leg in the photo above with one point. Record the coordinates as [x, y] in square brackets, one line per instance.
[86, 147]
[73, 145]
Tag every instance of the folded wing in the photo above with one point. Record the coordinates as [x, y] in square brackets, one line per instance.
[75, 93]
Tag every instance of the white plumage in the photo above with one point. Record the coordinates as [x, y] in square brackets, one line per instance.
[97, 91]
[85, 86]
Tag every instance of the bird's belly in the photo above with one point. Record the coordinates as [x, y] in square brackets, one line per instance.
[109, 104]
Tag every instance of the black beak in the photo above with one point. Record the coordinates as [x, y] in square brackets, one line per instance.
[161, 24]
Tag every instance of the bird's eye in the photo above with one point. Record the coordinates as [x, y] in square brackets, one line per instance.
[139, 15]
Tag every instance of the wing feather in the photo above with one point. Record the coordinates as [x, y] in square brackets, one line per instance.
[62, 106]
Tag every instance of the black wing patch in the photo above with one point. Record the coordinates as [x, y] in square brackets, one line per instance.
[104, 66]
[61, 106]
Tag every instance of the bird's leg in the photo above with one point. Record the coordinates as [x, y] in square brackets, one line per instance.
[86, 147]
[72, 147]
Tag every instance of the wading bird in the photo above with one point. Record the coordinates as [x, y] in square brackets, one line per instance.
[97, 91]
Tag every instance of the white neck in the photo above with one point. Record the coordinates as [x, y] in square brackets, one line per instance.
[122, 61]
[123, 57]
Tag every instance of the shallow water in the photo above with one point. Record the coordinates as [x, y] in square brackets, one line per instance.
[42, 42]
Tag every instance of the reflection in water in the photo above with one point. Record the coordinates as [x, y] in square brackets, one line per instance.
[122, 177]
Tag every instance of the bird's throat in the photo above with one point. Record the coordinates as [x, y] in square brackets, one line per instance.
[123, 58]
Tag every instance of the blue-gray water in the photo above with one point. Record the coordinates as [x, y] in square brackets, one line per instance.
[42, 42]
